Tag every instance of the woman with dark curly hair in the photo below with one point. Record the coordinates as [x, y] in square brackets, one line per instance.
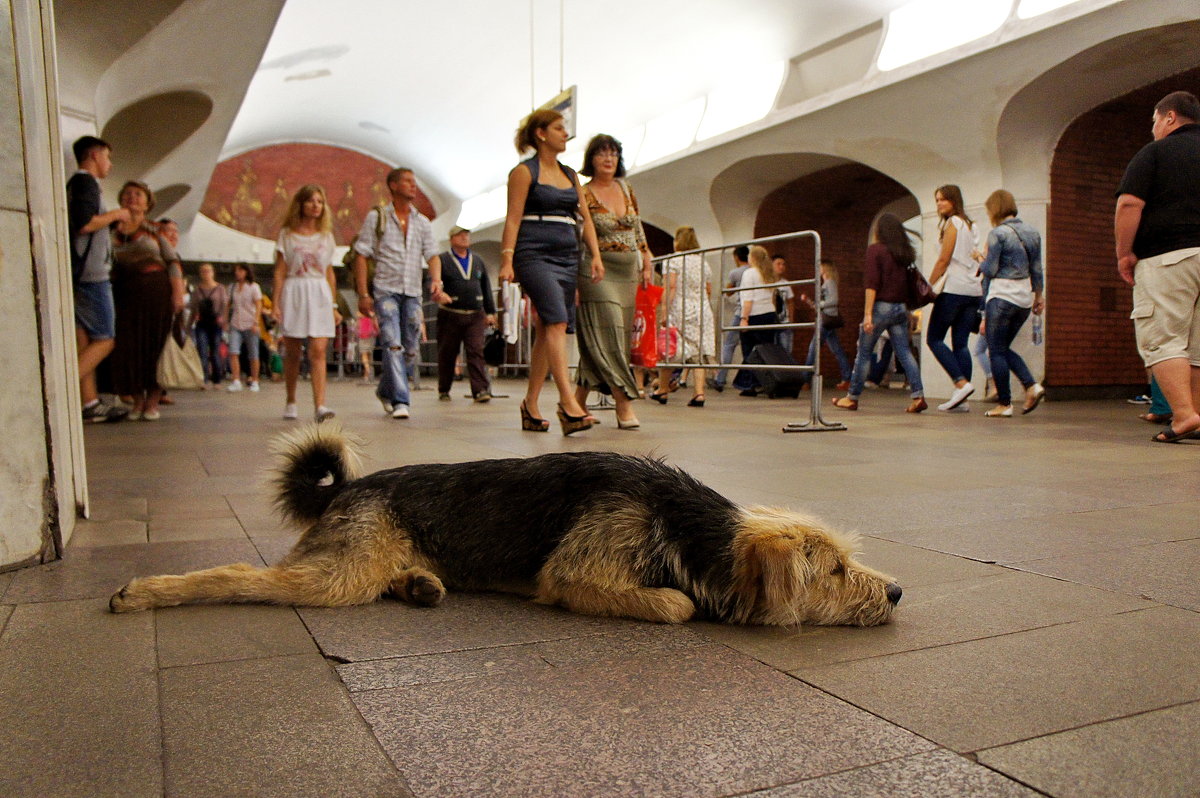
[606, 308]
[147, 284]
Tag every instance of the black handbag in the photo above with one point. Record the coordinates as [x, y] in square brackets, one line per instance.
[920, 292]
[493, 348]
[832, 322]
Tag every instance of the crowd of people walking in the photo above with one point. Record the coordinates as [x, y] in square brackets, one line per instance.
[580, 254]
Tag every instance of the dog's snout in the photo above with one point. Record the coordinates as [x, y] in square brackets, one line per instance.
[894, 593]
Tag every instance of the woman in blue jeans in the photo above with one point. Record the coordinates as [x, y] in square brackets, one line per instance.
[886, 286]
[1012, 274]
[956, 309]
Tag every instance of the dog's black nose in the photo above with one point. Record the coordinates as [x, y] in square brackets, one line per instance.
[894, 593]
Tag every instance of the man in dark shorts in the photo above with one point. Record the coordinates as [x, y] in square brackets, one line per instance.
[91, 261]
[1157, 231]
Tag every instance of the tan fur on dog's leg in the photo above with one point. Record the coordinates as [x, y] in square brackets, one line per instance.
[301, 585]
[657, 604]
[417, 586]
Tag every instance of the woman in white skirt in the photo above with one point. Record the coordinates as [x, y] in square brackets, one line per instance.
[304, 286]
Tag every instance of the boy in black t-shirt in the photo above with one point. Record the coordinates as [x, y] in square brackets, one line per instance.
[91, 260]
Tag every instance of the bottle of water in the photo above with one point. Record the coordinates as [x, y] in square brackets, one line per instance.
[1037, 330]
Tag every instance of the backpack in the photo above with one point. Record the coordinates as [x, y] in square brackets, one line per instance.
[348, 258]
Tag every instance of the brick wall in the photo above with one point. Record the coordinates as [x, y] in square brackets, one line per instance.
[840, 204]
[1089, 337]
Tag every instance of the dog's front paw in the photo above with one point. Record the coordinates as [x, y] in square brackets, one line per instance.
[128, 599]
[427, 591]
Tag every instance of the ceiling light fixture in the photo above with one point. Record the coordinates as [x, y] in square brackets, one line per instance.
[926, 27]
[746, 98]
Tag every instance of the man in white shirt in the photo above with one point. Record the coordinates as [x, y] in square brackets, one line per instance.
[394, 298]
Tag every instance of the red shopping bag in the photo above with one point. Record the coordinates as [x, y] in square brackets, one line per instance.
[643, 348]
[668, 342]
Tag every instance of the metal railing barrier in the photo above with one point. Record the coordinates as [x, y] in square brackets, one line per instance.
[815, 422]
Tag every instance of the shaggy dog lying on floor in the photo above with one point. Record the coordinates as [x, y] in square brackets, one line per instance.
[596, 532]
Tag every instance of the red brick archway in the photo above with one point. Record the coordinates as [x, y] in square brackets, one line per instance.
[840, 203]
[1089, 337]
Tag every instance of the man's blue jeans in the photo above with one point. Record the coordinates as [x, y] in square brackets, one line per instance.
[829, 337]
[399, 319]
[1004, 320]
[893, 317]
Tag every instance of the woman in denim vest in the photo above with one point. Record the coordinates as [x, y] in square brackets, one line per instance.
[1012, 284]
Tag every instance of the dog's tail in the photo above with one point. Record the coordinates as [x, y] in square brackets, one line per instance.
[313, 464]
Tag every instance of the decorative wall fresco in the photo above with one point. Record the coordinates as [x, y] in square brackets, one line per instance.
[250, 192]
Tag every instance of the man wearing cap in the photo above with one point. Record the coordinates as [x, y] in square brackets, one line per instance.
[467, 310]
[406, 243]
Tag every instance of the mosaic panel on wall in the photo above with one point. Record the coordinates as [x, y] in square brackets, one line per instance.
[250, 192]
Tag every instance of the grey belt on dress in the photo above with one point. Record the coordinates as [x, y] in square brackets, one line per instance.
[539, 217]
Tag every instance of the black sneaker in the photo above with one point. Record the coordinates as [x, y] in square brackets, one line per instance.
[100, 413]
[483, 396]
[443, 397]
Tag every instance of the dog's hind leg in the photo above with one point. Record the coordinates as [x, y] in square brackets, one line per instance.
[417, 586]
[303, 585]
[657, 604]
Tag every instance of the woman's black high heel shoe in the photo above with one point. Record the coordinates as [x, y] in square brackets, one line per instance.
[697, 401]
[531, 424]
[571, 424]
[661, 398]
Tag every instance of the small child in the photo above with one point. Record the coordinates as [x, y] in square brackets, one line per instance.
[245, 304]
[367, 330]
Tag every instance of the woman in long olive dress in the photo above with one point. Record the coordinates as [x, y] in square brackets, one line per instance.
[605, 317]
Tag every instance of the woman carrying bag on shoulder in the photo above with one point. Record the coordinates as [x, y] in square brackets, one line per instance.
[956, 309]
[886, 283]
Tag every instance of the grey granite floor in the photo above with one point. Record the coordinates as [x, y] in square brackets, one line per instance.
[1048, 641]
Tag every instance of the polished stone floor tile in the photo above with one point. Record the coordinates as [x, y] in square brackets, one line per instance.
[1151, 754]
[462, 622]
[175, 528]
[631, 725]
[189, 508]
[1057, 534]
[985, 693]
[80, 703]
[109, 508]
[931, 616]
[198, 634]
[936, 774]
[1164, 572]
[108, 533]
[268, 727]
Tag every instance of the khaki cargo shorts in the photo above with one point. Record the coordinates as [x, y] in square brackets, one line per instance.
[1166, 306]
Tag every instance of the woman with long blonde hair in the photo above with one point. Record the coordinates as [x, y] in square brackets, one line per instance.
[758, 308]
[304, 289]
[688, 288]
[539, 249]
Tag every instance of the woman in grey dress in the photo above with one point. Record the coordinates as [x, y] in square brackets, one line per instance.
[605, 318]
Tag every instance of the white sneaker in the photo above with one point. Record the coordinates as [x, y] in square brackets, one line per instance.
[958, 397]
[400, 411]
[234, 386]
[323, 414]
[963, 408]
[1000, 411]
[290, 412]
[254, 387]
[387, 406]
